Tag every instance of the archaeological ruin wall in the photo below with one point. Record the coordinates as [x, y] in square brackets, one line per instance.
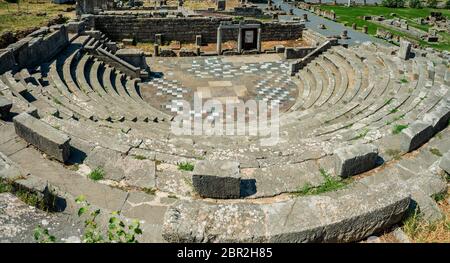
[144, 29]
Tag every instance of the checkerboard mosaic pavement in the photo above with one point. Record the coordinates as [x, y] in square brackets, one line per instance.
[273, 84]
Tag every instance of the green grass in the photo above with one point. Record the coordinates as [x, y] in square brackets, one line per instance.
[361, 135]
[97, 174]
[186, 166]
[399, 128]
[13, 20]
[149, 191]
[403, 80]
[439, 197]
[139, 157]
[330, 184]
[5, 186]
[436, 152]
[31, 199]
[393, 110]
[355, 15]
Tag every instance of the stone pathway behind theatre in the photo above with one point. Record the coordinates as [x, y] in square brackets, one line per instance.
[332, 28]
[18, 221]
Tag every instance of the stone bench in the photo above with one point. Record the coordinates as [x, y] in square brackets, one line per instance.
[217, 179]
[355, 159]
[418, 133]
[439, 118]
[343, 216]
[46, 138]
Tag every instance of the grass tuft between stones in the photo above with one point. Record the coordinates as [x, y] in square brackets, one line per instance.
[330, 184]
[97, 174]
[436, 152]
[186, 166]
[399, 128]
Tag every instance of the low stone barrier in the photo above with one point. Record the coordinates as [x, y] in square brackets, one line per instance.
[343, 216]
[355, 159]
[46, 138]
[218, 179]
[300, 52]
[418, 133]
[118, 63]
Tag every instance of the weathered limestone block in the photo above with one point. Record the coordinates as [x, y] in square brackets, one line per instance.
[427, 207]
[343, 216]
[5, 107]
[8, 169]
[355, 159]
[46, 138]
[438, 118]
[405, 49]
[135, 171]
[418, 133]
[217, 179]
[445, 162]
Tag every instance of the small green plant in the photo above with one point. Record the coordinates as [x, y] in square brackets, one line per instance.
[399, 128]
[330, 184]
[436, 152]
[411, 225]
[393, 110]
[404, 80]
[172, 196]
[439, 197]
[149, 191]
[238, 18]
[395, 154]
[139, 157]
[56, 101]
[5, 186]
[42, 235]
[361, 135]
[388, 101]
[97, 174]
[31, 199]
[186, 166]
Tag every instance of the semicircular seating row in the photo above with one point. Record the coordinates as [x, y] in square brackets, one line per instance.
[346, 96]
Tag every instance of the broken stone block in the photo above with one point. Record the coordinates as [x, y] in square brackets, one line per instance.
[418, 133]
[405, 49]
[438, 118]
[5, 107]
[217, 179]
[46, 138]
[445, 162]
[355, 159]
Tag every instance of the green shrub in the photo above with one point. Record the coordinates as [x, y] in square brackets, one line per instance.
[415, 4]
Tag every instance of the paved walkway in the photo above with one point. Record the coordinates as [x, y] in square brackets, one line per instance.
[332, 28]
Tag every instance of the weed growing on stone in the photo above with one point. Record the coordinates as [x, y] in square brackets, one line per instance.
[117, 231]
[361, 134]
[330, 184]
[439, 197]
[436, 152]
[31, 199]
[393, 110]
[5, 186]
[56, 101]
[399, 128]
[186, 166]
[404, 80]
[149, 191]
[139, 157]
[97, 174]
[42, 235]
